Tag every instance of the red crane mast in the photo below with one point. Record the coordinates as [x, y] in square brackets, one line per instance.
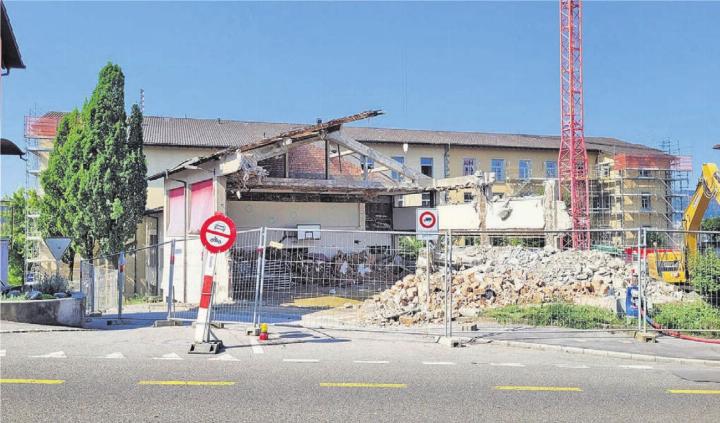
[572, 159]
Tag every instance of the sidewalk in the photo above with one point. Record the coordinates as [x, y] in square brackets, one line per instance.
[618, 344]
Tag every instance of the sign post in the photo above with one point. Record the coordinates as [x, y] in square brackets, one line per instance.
[217, 236]
[426, 224]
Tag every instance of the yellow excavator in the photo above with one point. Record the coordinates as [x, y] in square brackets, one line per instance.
[672, 266]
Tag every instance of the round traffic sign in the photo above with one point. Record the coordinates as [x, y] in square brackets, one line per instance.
[217, 233]
[427, 220]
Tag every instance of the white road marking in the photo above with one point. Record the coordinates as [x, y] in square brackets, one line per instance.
[636, 366]
[171, 356]
[56, 354]
[581, 340]
[371, 362]
[300, 360]
[438, 363]
[256, 348]
[571, 366]
[626, 342]
[114, 355]
[507, 364]
[2, 353]
[224, 357]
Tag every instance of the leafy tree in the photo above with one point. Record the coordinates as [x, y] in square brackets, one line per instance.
[14, 229]
[711, 224]
[95, 181]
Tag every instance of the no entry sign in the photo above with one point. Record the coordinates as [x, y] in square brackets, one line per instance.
[217, 233]
[426, 221]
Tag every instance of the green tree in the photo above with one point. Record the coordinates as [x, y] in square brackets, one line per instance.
[13, 228]
[95, 181]
[711, 224]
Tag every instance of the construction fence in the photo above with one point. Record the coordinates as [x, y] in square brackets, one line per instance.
[448, 282]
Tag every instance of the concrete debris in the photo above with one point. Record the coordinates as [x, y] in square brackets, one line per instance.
[497, 276]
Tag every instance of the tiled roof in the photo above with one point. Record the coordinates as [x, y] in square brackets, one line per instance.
[219, 133]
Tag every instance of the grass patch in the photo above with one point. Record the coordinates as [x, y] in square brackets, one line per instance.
[557, 314]
[141, 299]
[689, 315]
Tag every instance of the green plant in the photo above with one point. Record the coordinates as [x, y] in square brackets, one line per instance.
[689, 315]
[705, 273]
[52, 284]
[556, 314]
[411, 246]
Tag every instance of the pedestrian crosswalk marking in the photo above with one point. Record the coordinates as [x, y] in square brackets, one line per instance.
[224, 357]
[56, 354]
[171, 356]
[117, 355]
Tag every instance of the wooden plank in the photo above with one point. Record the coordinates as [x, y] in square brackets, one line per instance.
[377, 156]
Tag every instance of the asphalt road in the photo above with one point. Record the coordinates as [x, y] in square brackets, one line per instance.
[145, 375]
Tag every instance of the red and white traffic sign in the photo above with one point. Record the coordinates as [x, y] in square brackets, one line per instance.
[426, 221]
[217, 233]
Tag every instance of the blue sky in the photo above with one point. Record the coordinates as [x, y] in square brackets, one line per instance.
[652, 70]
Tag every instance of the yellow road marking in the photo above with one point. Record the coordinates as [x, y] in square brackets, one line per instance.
[34, 381]
[361, 385]
[695, 391]
[539, 388]
[186, 382]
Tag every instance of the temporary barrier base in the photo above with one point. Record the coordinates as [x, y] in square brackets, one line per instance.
[211, 347]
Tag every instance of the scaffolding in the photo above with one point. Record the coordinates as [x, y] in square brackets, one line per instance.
[39, 135]
[649, 190]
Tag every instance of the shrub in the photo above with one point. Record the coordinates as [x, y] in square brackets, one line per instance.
[411, 246]
[52, 284]
[689, 315]
[705, 273]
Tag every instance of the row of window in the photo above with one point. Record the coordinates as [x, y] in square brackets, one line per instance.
[470, 167]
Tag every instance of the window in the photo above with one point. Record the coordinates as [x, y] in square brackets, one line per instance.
[370, 163]
[605, 170]
[399, 201]
[525, 169]
[644, 173]
[468, 167]
[645, 201]
[468, 197]
[426, 166]
[498, 166]
[393, 174]
[551, 169]
[427, 199]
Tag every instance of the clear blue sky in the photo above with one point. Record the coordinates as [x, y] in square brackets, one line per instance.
[652, 70]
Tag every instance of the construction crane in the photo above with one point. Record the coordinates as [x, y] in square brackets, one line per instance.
[572, 159]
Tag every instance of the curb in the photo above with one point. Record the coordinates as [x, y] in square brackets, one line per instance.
[44, 330]
[604, 353]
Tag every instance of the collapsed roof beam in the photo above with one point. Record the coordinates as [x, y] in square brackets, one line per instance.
[340, 138]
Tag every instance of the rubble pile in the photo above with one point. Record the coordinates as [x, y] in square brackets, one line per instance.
[497, 276]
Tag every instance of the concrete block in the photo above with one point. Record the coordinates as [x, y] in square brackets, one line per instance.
[449, 341]
[646, 337]
[166, 323]
[58, 312]
[252, 331]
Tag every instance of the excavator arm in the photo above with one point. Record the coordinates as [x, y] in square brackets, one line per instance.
[708, 188]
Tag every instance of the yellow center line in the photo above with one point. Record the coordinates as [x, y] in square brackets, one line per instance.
[34, 381]
[361, 385]
[186, 383]
[539, 388]
[695, 391]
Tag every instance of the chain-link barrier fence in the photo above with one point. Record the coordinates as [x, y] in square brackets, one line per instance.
[446, 282]
[681, 282]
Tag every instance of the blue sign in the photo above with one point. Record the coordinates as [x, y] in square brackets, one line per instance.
[632, 300]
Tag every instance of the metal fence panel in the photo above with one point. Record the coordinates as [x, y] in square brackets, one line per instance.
[522, 280]
[681, 282]
[352, 279]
